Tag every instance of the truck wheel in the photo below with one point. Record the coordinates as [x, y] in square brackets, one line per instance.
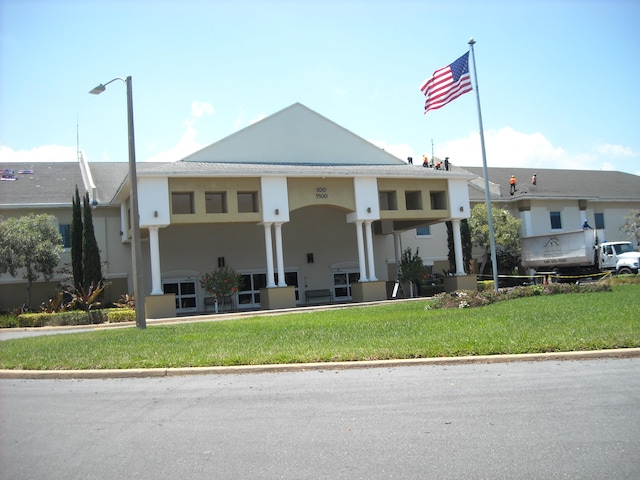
[625, 271]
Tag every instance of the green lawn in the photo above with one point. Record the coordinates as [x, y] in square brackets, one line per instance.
[397, 330]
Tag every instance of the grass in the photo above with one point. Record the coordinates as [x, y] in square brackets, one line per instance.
[398, 330]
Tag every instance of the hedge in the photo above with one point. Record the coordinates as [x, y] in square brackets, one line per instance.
[74, 317]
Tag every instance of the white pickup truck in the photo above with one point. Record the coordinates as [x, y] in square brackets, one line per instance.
[578, 252]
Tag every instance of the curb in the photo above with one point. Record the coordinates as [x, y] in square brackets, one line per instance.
[297, 367]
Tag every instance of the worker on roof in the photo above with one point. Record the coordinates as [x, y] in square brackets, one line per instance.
[512, 184]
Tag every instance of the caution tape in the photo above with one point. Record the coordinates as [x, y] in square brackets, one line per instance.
[546, 275]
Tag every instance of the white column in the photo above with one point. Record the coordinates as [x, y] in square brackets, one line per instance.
[124, 224]
[268, 244]
[397, 246]
[526, 228]
[370, 257]
[156, 272]
[359, 237]
[457, 247]
[279, 256]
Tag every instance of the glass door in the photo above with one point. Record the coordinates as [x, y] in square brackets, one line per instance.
[342, 280]
[185, 292]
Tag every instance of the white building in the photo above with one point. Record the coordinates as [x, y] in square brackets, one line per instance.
[295, 203]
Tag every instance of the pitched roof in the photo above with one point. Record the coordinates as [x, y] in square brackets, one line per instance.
[295, 135]
[51, 184]
[109, 178]
[401, 170]
[560, 184]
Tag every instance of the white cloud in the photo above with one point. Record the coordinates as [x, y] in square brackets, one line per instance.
[46, 153]
[505, 148]
[185, 146]
[200, 109]
[187, 143]
[616, 151]
[509, 148]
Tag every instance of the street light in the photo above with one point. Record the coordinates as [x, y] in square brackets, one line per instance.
[136, 246]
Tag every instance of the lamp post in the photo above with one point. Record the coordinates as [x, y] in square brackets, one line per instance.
[136, 246]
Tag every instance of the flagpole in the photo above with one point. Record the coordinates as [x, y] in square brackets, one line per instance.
[494, 262]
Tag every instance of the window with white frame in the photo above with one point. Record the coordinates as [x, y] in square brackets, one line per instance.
[556, 221]
[185, 292]
[342, 281]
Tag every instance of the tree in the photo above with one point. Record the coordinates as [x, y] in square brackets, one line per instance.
[506, 229]
[76, 242]
[631, 226]
[91, 267]
[32, 243]
[467, 244]
[411, 269]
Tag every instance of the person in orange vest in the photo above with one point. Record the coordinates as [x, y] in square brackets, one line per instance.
[512, 184]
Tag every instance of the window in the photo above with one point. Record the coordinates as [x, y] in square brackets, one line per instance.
[556, 222]
[215, 202]
[423, 231]
[599, 217]
[247, 202]
[438, 200]
[413, 200]
[65, 232]
[182, 202]
[388, 201]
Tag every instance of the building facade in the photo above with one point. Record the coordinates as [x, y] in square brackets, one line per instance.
[293, 203]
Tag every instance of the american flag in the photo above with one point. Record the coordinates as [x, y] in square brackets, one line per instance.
[447, 84]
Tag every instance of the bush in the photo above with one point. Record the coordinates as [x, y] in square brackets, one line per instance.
[485, 285]
[119, 315]
[69, 318]
[469, 299]
[8, 321]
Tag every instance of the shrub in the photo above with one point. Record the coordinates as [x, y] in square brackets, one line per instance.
[119, 315]
[68, 318]
[8, 321]
[469, 298]
[222, 282]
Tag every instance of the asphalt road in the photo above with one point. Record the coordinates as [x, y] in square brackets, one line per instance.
[568, 419]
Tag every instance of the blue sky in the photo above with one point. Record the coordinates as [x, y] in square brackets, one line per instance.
[556, 78]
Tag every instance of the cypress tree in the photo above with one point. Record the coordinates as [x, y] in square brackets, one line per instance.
[452, 254]
[76, 242]
[91, 266]
[467, 244]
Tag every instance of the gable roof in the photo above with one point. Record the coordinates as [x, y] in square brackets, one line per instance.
[560, 184]
[295, 135]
